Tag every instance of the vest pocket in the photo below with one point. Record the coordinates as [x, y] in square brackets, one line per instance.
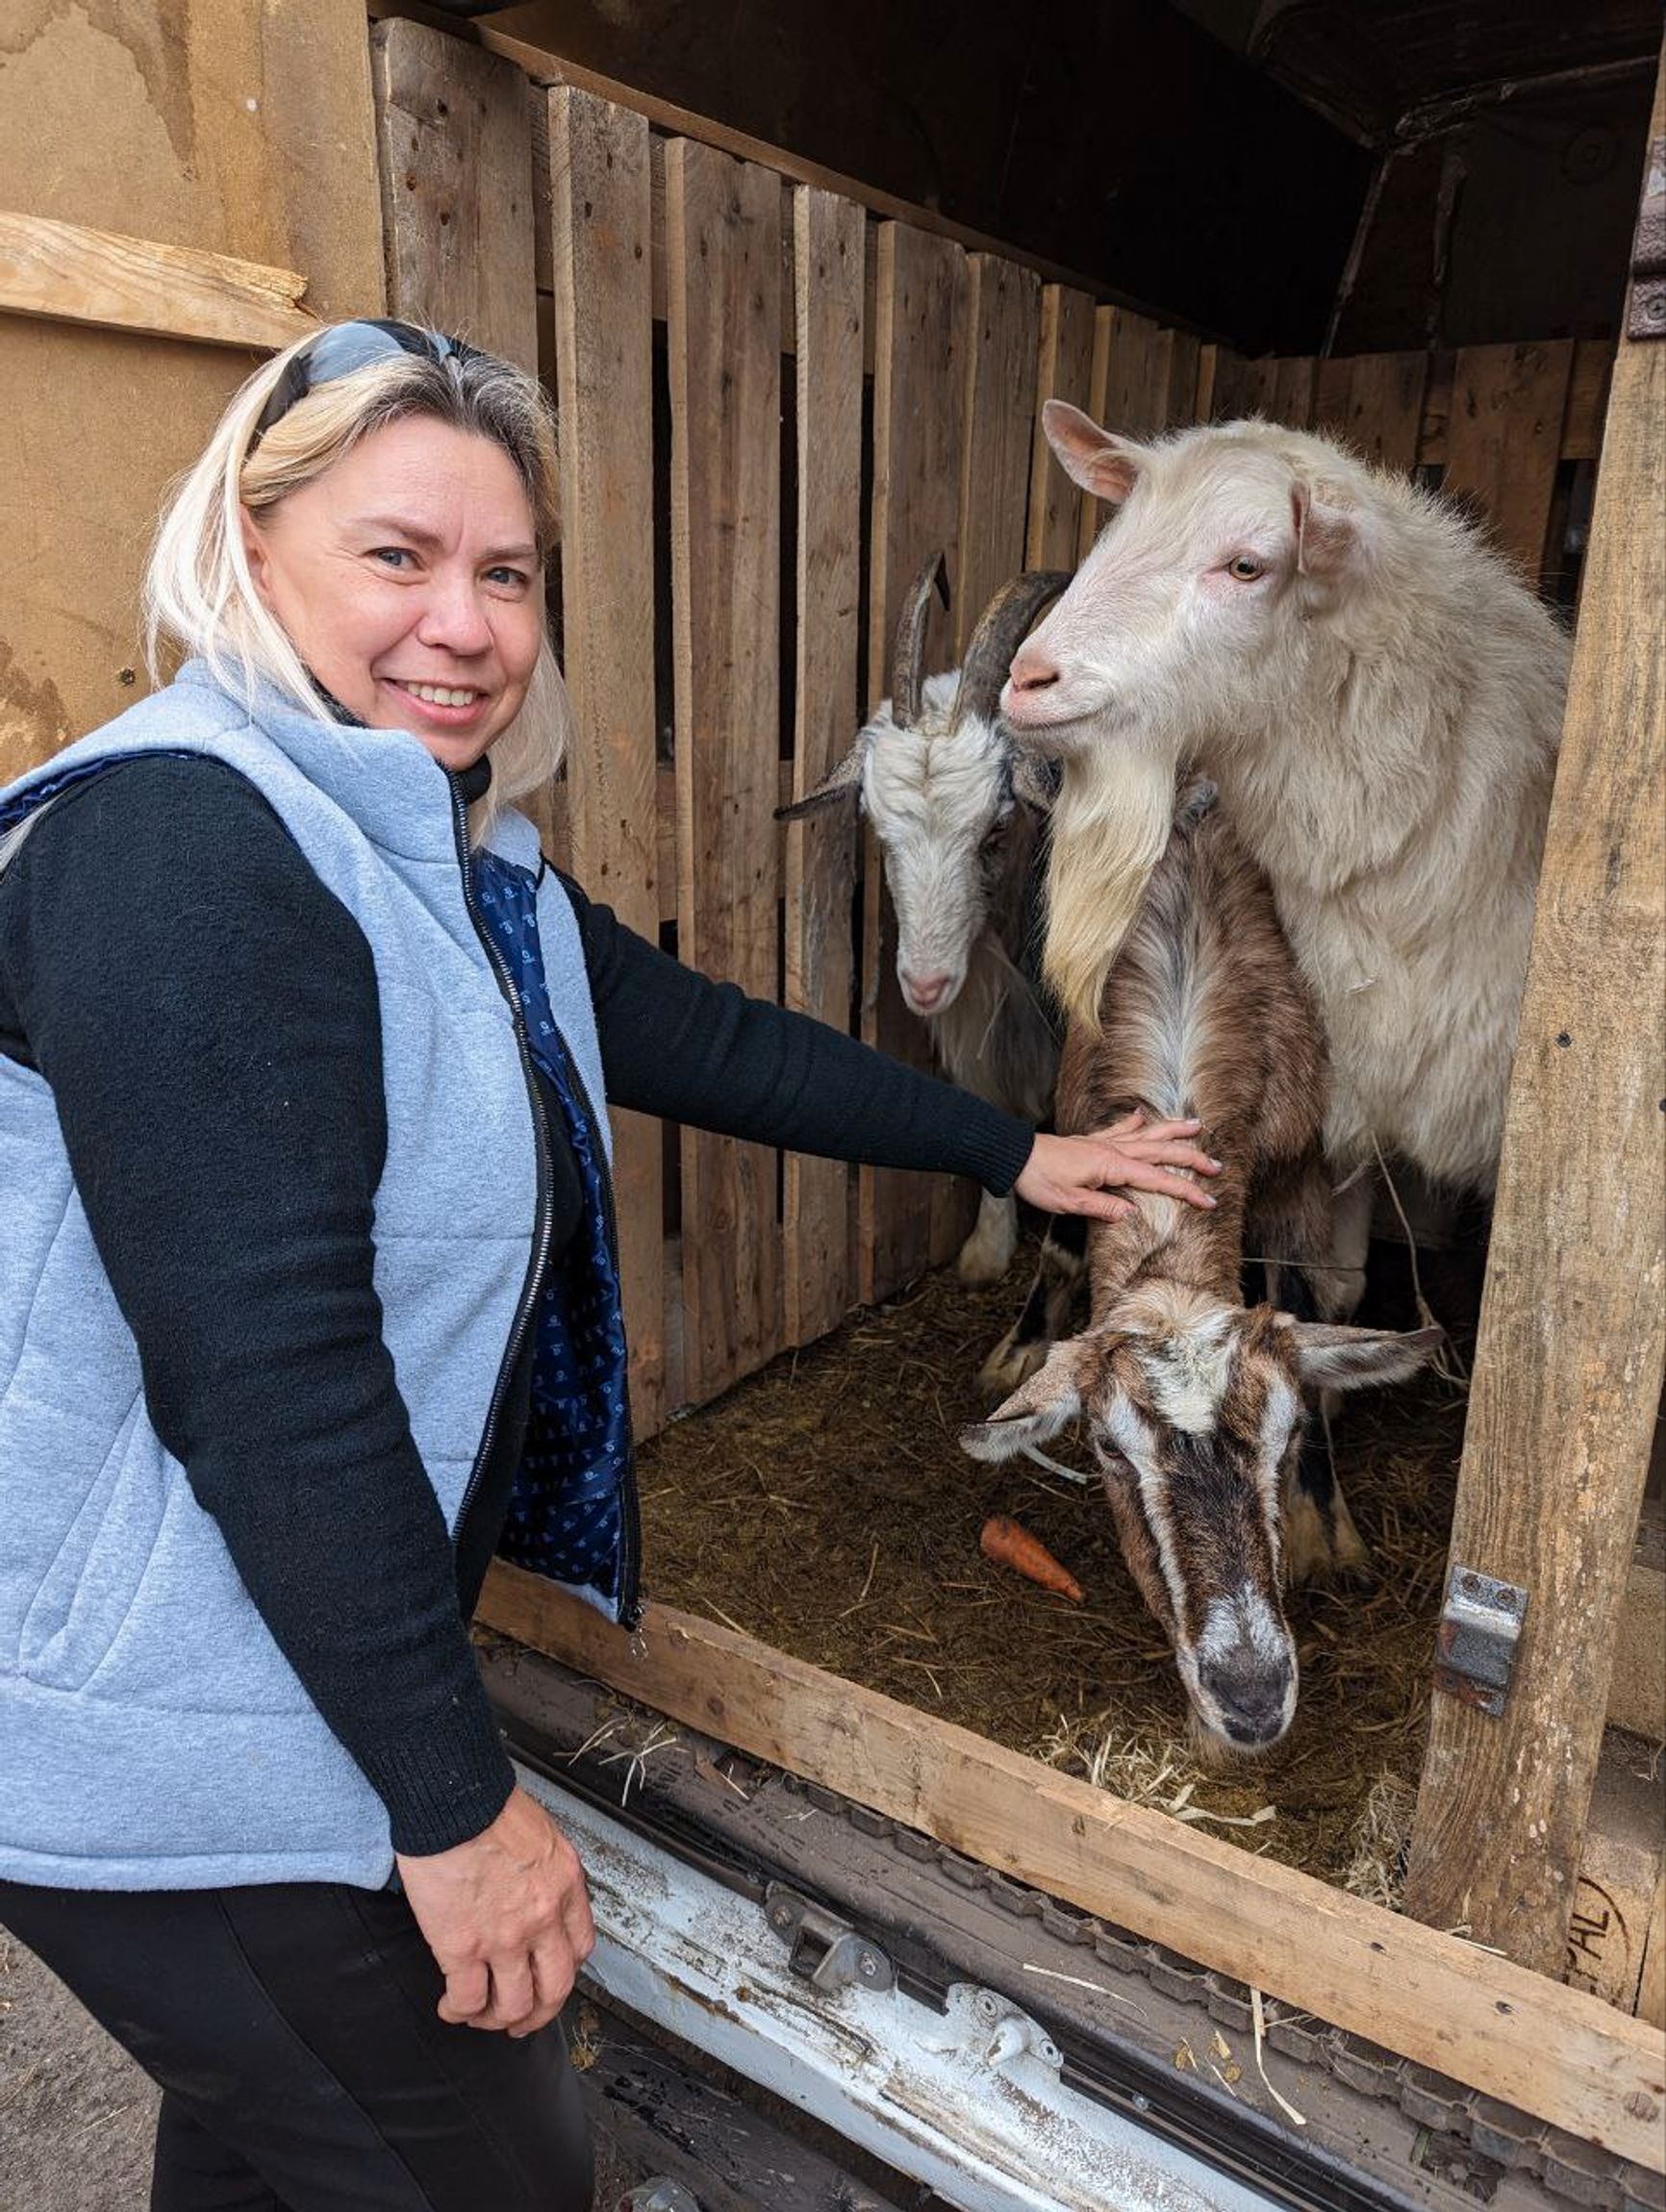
[88, 1589]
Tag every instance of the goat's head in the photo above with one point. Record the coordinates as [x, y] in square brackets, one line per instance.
[941, 786]
[1194, 1411]
[1224, 541]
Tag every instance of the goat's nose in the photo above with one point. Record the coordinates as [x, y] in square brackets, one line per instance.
[924, 991]
[1031, 670]
[1252, 1705]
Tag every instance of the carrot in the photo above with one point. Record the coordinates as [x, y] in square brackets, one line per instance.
[1009, 1545]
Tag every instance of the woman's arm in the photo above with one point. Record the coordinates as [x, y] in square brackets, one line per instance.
[675, 1044]
[207, 1015]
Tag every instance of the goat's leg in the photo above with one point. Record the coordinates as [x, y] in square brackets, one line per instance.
[1301, 1220]
[1060, 1270]
[986, 1253]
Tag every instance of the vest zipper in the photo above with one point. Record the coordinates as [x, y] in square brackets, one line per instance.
[542, 1224]
[630, 1539]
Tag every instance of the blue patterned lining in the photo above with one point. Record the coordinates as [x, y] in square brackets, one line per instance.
[568, 1512]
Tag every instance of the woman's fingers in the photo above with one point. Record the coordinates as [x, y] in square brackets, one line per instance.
[1148, 1175]
[467, 1992]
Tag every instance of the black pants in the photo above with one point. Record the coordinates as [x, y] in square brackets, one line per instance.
[302, 2064]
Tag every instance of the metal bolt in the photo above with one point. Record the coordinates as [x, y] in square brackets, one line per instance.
[1140, 2103]
[867, 1966]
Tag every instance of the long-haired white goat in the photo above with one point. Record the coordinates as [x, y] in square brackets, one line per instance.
[957, 813]
[1378, 699]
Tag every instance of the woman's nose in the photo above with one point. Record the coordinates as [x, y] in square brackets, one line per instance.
[455, 618]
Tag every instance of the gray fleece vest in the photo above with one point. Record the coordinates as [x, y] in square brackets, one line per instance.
[152, 1735]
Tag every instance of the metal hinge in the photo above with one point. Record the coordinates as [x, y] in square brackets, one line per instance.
[822, 1949]
[1646, 316]
[1480, 1627]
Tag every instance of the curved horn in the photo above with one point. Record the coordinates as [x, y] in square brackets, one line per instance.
[908, 658]
[999, 632]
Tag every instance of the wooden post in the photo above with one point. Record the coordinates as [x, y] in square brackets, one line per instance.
[1573, 1326]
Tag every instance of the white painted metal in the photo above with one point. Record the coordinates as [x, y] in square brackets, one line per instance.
[969, 2101]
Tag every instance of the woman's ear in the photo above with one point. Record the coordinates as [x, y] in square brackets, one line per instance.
[258, 557]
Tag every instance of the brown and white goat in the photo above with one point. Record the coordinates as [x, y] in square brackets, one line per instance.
[957, 813]
[1194, 1402]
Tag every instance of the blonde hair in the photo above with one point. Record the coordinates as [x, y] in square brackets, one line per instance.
[200, 596]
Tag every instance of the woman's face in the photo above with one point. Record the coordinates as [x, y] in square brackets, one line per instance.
[407, 579]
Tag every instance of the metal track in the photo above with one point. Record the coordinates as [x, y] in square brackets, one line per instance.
[1136, 2024]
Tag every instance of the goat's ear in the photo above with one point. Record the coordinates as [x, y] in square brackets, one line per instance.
[844, 782]
[1034, 780]
[1102, 464]
[1037, 1410]
[1331, 1357]
[1327, 539]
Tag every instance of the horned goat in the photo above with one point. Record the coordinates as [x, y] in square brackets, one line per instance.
[957, 812]
[1194, 1401]
[1379, 698]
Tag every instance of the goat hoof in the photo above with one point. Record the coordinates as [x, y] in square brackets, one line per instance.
[1010, 1364]
[983, 1261]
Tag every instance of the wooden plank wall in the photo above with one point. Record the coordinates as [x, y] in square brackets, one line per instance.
[762, 290]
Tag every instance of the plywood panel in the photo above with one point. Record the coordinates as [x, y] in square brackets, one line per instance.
[1064, 370]
[920, 357]
[820, 1276]
[1573, 1329]
[1505, 440]
[195, 126]
[723, 333]
[598, 220]
[456, 132]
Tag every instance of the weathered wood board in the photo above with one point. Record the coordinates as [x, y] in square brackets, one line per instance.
[598, 219]
[67, 273]
[1573, 1331]
[921, 346]
[1558, 2053]
[1505, 440]
[723, 252]
[1064, 370]
[456, 126]
[819, 1277]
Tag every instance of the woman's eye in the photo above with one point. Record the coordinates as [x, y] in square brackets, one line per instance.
[507, 578]
[391, 556]
[1246, 567]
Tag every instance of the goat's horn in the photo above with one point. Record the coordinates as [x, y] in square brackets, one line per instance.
[999, 632]
[908, 660]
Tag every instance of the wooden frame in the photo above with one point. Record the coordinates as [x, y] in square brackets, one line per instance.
[1557, 2054]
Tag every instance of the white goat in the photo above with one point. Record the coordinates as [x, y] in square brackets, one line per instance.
[956, 811]
[1378, 699]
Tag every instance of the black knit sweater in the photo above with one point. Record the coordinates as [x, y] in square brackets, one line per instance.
[207, 1015]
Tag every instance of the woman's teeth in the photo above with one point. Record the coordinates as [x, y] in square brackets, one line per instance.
[440, 694]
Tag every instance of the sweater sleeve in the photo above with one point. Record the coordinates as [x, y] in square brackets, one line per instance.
[675, 1044]
[206, 1013]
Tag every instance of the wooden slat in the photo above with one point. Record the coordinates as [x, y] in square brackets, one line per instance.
[819, 1275]
[920, 345]
[1064, 370]
[1098, 392]
[1505, 440]
[1180, 385]
[1237, 387]
[456, 190]
[1385, 407]
[67, 273]
[598, 202]
[1562, 2055]
[1331, 391]
[1004, 321]
[1573, 1329]
[1136, 372]
[723, 333]
[1293, 392]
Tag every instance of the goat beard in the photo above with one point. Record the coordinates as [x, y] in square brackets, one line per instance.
[1110, 823]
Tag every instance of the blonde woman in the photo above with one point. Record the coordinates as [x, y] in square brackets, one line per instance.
[311, 1300]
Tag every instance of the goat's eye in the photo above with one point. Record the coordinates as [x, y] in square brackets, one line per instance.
[1246, 567]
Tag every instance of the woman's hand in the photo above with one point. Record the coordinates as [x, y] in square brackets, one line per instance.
[1074, 1174]
[507, 1916]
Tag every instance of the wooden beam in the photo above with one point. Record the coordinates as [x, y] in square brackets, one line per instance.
[64, 272]
[1573, 1329]
[598, 224]
[1559, 2054]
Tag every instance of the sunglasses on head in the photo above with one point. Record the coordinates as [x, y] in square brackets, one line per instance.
[346, 347]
